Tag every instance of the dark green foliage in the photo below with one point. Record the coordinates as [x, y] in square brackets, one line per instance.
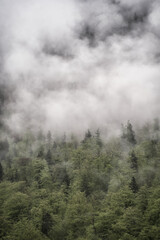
[40, 152]
[1, 172]
[49, 157]
[89, 190]
[133, 185]
[24, 230]
[16, 206]
[133, 161]
[128, 133]
[5, 94]
[87, 136]
[4, 148]
[60, 175]
[98, 138]
[46, 223]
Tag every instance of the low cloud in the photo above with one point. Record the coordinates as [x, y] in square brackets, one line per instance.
[76, 64]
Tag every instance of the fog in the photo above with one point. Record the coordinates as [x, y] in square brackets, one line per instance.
[78, 64]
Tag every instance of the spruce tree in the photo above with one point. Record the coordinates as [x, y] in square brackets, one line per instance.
[46, 223]
[130, 134]
[41, 152]
[49, 157]
[87, 136]
[133, 185]
[133, 161]
[1, 172]
[98, 138]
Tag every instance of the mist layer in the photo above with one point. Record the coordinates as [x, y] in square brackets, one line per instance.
[72, 65]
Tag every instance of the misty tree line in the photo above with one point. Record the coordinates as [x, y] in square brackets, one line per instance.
[66, 189]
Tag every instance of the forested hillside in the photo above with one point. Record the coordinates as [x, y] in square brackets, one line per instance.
[54, 188]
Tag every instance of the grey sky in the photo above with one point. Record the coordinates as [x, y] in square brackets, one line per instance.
[80, 64]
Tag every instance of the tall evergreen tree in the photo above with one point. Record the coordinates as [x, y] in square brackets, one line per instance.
[133, 185]
[49, 157]
[40, 152]
[128, 133]
[98, 138]
[46, 223]
[133, 161]
[88, 135]
[1, 172]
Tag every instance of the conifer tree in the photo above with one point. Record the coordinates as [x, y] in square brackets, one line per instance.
[41, 152]
[1, 172]
[133, 185]
[46, 223]
[87, 136]
[49, 157]
[98, 138]
[128, 133]
[133, 161]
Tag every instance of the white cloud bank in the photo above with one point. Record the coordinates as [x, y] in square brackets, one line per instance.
[80, 64]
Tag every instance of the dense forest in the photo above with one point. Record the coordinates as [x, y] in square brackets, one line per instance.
[93, 189]
[80, 120]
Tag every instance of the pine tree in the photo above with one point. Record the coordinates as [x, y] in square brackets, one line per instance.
[87, 136]
[41, 152]
[49, 157]
[128, 133]
[133, 161]
[133, 185]
[1, 172]
[98, 138]
[46, 223]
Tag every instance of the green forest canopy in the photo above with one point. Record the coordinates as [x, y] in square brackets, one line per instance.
[63, 189]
